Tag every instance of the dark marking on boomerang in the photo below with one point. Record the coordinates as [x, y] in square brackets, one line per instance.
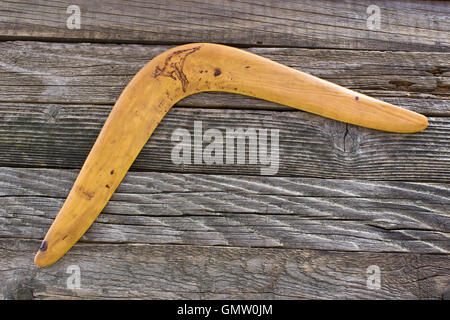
[173, 66]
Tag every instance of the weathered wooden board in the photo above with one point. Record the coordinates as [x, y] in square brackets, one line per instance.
[97, 74]
[344, 197]
[115, 271]
[42, 135]
[411, 25]
[195, 209]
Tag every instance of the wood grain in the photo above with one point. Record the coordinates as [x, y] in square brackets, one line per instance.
[344, 198]
[408, 25]
[97, 74]
[195, 209]
[41, 135]
[115, 271]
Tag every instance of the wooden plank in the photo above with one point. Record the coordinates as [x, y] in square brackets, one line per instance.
[341, 200]
[97, 73]
[240, 211]
[108, 271]
[41, 135]
[408, 25]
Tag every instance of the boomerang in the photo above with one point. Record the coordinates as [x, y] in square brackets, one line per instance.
[180, 72]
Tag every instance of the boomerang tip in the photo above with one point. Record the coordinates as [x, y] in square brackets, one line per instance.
[384, 116]
[43, 258]
[419, 123]
[423, 123]
[39, 261]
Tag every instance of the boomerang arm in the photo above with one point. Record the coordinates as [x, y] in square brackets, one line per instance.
[183, 71]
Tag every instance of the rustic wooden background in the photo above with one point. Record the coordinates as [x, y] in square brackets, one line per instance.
[344, 198]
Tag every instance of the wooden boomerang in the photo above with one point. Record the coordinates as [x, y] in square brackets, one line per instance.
[180, 72]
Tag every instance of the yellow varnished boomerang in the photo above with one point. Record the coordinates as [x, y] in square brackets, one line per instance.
[180, 72]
